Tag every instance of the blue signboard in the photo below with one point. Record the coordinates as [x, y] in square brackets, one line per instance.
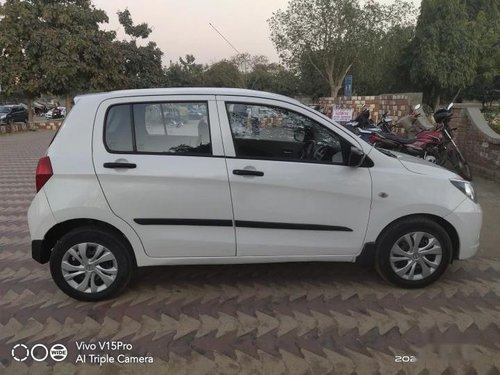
[348, 85]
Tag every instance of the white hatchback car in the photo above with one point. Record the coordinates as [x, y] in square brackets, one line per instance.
[133, 180]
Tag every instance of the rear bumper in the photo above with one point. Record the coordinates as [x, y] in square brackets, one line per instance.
[38, 253]
[467, 219]
[40, 221]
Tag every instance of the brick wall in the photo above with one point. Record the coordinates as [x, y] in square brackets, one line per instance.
[479, 143]
[397, 105]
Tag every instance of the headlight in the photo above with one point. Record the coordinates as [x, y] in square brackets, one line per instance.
[2, 117]
[466, 188]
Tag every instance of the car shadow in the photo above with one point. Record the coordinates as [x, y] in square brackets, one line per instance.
[267, 273]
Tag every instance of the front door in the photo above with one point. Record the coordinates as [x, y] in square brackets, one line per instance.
[292, 192]
[160, 163]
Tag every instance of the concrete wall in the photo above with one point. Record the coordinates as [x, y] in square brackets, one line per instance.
[20, 126]
[479, 143]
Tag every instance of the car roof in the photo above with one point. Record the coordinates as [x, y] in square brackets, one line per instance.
[188, 91]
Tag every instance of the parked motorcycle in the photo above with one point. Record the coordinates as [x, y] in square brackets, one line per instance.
[448, 153]
[436, 145]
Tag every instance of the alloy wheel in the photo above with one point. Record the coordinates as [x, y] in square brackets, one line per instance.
[416, 256]
[89, 267]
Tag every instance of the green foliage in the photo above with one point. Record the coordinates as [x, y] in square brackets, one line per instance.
[445, 49]
[224, 73]
[54, 46]
[486, 16]
[184, 73]
[492, 116]
[330, 36]
[21, 47]
[140, 65]
[382, 69]
[137, 31]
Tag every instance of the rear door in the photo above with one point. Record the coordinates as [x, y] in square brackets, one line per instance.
[162, 171]
[293, 194]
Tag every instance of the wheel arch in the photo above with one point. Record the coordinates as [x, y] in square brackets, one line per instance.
[450, 229]
[60, 229]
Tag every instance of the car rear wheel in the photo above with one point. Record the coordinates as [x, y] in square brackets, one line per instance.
[413, 253]
[91, 264]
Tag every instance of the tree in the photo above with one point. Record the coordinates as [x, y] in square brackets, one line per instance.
[55, 46]
[184, 73]
[445, 50]
[141, 65]
[486, 17]
[78, 56]
[21, 49]
[330, 35]
[272, 77]
[383, 71]
[223, 73]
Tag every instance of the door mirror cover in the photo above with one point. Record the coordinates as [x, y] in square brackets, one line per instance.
[356, 157]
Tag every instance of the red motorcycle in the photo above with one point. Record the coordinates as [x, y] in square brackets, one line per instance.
[436, 145]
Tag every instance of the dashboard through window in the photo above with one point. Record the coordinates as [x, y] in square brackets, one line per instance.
[268, 132]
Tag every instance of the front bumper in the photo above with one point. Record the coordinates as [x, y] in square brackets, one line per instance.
[467, 219]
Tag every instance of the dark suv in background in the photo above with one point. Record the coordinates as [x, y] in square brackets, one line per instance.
[13, 113]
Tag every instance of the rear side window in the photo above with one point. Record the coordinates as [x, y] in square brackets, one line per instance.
[159, 128]
[118, 130]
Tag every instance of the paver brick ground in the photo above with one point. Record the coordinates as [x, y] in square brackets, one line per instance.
[250, 319]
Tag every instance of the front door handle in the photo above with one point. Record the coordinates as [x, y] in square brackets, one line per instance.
[247, 172]
[120, 165]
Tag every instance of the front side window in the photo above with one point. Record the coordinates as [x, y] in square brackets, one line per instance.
[165, 128]
[268, 132]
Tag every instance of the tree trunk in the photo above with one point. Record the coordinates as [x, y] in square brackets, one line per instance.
[68, 103]
[437, 102]
[30, 111]
[334, 85]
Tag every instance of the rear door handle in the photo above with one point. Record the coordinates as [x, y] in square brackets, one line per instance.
[247, 172]
[120, 165]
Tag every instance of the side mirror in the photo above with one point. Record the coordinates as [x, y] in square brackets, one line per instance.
[299, 135]
[356, 157]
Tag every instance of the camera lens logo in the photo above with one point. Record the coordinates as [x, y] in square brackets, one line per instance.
[39, 352]
[58, 352]
[20, 352]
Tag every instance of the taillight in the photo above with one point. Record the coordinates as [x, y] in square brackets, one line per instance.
[43, 172]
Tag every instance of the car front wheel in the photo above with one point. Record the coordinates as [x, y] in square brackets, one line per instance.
[91, 264]
[413, 253]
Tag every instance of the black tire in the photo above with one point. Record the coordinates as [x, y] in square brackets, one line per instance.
[117, 246]
[395, 232]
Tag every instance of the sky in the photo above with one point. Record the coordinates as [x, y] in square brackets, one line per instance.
[182, 27]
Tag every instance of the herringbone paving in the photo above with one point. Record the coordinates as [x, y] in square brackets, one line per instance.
[249, 319]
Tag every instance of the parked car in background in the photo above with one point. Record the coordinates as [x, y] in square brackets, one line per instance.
[55, 113]
[114, 193]
[10, 114]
